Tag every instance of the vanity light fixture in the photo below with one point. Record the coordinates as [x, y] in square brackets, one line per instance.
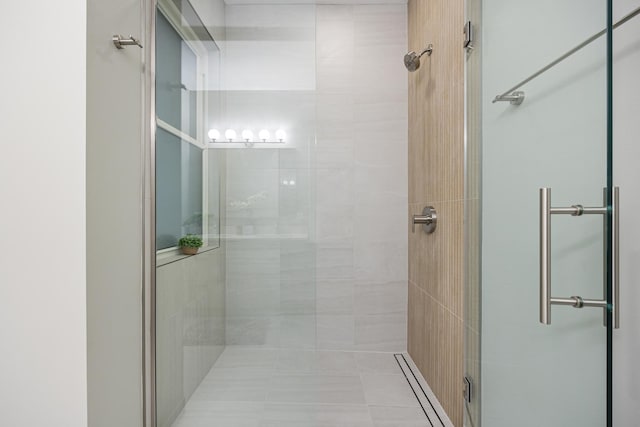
[230, 134]
[214, 135]
[264, 135]
[247, 135]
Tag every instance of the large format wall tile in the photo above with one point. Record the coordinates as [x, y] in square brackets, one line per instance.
[361, 156]
[190, 316]
[333, 274]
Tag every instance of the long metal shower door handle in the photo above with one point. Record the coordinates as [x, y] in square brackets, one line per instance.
[546, 299]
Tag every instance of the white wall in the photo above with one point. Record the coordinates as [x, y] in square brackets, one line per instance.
[42, 186]
[114, 214]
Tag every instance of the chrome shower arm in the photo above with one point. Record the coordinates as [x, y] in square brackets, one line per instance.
[428, 51]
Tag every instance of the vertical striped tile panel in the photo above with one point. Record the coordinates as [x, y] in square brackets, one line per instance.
[436, 177]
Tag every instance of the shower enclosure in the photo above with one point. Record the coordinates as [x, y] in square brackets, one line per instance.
[274, 147]
[542, 288]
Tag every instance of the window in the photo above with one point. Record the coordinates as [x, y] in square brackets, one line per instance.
[183, 174]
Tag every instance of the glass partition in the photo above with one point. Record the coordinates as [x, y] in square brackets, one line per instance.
[234, 165]
[544, 125]
[189, 290]
[473, 224]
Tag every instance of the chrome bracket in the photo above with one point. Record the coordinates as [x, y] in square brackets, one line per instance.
[515, 98]
[579, 301]
[120, 42]
[579, 210]
[428, 219]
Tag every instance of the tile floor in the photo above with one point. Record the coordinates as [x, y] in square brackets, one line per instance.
[257, 387]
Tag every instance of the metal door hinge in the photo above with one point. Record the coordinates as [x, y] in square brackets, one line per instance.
[468, 36]
[467, 389]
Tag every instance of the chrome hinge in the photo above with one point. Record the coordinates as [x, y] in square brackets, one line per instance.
[467, 389]
[468, 36]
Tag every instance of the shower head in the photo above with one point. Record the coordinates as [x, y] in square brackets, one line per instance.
[412, 59]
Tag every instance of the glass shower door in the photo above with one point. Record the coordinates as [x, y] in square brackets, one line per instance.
[546, 214]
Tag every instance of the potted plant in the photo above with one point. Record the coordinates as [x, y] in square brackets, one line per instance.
[190, 244]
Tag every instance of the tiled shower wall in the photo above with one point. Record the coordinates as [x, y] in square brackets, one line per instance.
[331, 272]
[436, 177]
[269, 82]
[361, 172]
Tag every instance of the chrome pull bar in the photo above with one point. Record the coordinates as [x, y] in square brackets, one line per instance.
[546, 300]
[615, 257]
[545, 256]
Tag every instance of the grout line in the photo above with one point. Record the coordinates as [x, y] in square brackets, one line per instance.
[437, 301]
[363, 391]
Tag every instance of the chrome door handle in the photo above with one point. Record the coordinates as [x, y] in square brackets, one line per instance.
[546, 300]
[428, 219]
[615, 257]
[120, 42]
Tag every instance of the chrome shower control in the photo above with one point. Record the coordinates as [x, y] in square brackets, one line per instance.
[428, 219]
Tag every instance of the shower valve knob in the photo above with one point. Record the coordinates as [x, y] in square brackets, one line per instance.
[428, 219]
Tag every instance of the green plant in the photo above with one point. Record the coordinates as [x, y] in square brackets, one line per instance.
[190, 241]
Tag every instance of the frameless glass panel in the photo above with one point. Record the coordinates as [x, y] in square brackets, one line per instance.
[533, 374]
[472, 232]
[256, 293]
[189, 290]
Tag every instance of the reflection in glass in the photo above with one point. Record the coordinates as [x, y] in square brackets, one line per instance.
[178, 189]
[176, 80]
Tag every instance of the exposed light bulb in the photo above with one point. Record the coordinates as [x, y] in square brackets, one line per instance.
[214, 134]
[281, 135]
[230, 134]
[247, 135]
[264, 135]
